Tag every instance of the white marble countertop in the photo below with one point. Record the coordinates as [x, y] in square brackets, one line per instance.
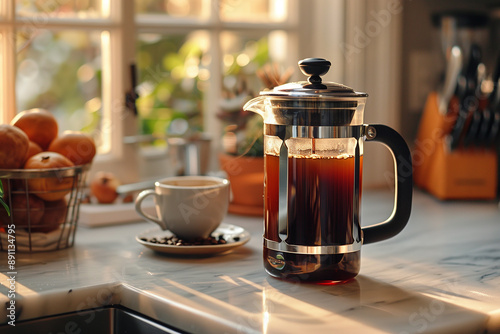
[440, 275]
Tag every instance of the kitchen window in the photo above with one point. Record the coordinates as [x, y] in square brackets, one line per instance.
[73, 57]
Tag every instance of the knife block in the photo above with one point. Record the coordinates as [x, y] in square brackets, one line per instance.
[464, 173]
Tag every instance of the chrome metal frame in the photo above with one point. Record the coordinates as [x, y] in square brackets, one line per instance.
[283, 246]
[285, 132]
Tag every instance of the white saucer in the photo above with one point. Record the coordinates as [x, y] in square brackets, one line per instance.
[235, 236]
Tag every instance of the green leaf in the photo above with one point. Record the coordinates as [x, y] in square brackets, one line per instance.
[2, 201]
[5, 206]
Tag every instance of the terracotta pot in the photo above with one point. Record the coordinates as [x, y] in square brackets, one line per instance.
[246, 175]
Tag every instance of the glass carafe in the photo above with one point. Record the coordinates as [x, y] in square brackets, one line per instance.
[313, 146]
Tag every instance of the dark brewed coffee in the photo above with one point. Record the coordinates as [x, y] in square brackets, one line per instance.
[321, 212]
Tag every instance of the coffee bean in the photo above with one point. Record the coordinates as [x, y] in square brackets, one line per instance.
[173, 240]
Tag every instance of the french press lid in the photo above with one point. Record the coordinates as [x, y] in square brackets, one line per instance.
[314, 68]
[313, 102]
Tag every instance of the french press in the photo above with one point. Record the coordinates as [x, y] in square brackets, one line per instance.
[313, 157]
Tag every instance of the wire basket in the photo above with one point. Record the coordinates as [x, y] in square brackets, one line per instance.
[44, 207]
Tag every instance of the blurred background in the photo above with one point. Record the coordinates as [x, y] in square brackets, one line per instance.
[136, 73]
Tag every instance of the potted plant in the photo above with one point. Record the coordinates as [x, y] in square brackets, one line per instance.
[243, 144]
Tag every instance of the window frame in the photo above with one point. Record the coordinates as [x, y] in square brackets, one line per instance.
[7, 61]
[115, 81]
[121, 24]
[215, 26]
[309, 39]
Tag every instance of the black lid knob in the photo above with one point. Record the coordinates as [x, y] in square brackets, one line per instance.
[314, 68]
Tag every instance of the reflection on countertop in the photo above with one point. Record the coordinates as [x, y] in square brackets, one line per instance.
[441, 274]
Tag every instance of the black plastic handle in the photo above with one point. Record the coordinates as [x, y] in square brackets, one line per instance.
[403, 184]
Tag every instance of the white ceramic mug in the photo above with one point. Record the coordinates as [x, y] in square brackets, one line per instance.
[189, 206]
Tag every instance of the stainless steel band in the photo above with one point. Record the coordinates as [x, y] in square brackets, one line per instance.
[302, 131]
[312, 250]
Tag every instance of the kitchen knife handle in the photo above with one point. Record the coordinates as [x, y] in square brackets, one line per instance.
[403, 184]
[468, 98]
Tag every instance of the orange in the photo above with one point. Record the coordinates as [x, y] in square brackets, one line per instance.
[103, 186]
[39, 124]
[49, 188]
[13, 147]
[33, 148]
[53, 216]
[77, 146]
[26, 210]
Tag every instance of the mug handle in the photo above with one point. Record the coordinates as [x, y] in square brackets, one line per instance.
[403, 183]
[138, 207]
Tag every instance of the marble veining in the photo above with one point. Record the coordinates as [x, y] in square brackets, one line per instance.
[440, 275]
